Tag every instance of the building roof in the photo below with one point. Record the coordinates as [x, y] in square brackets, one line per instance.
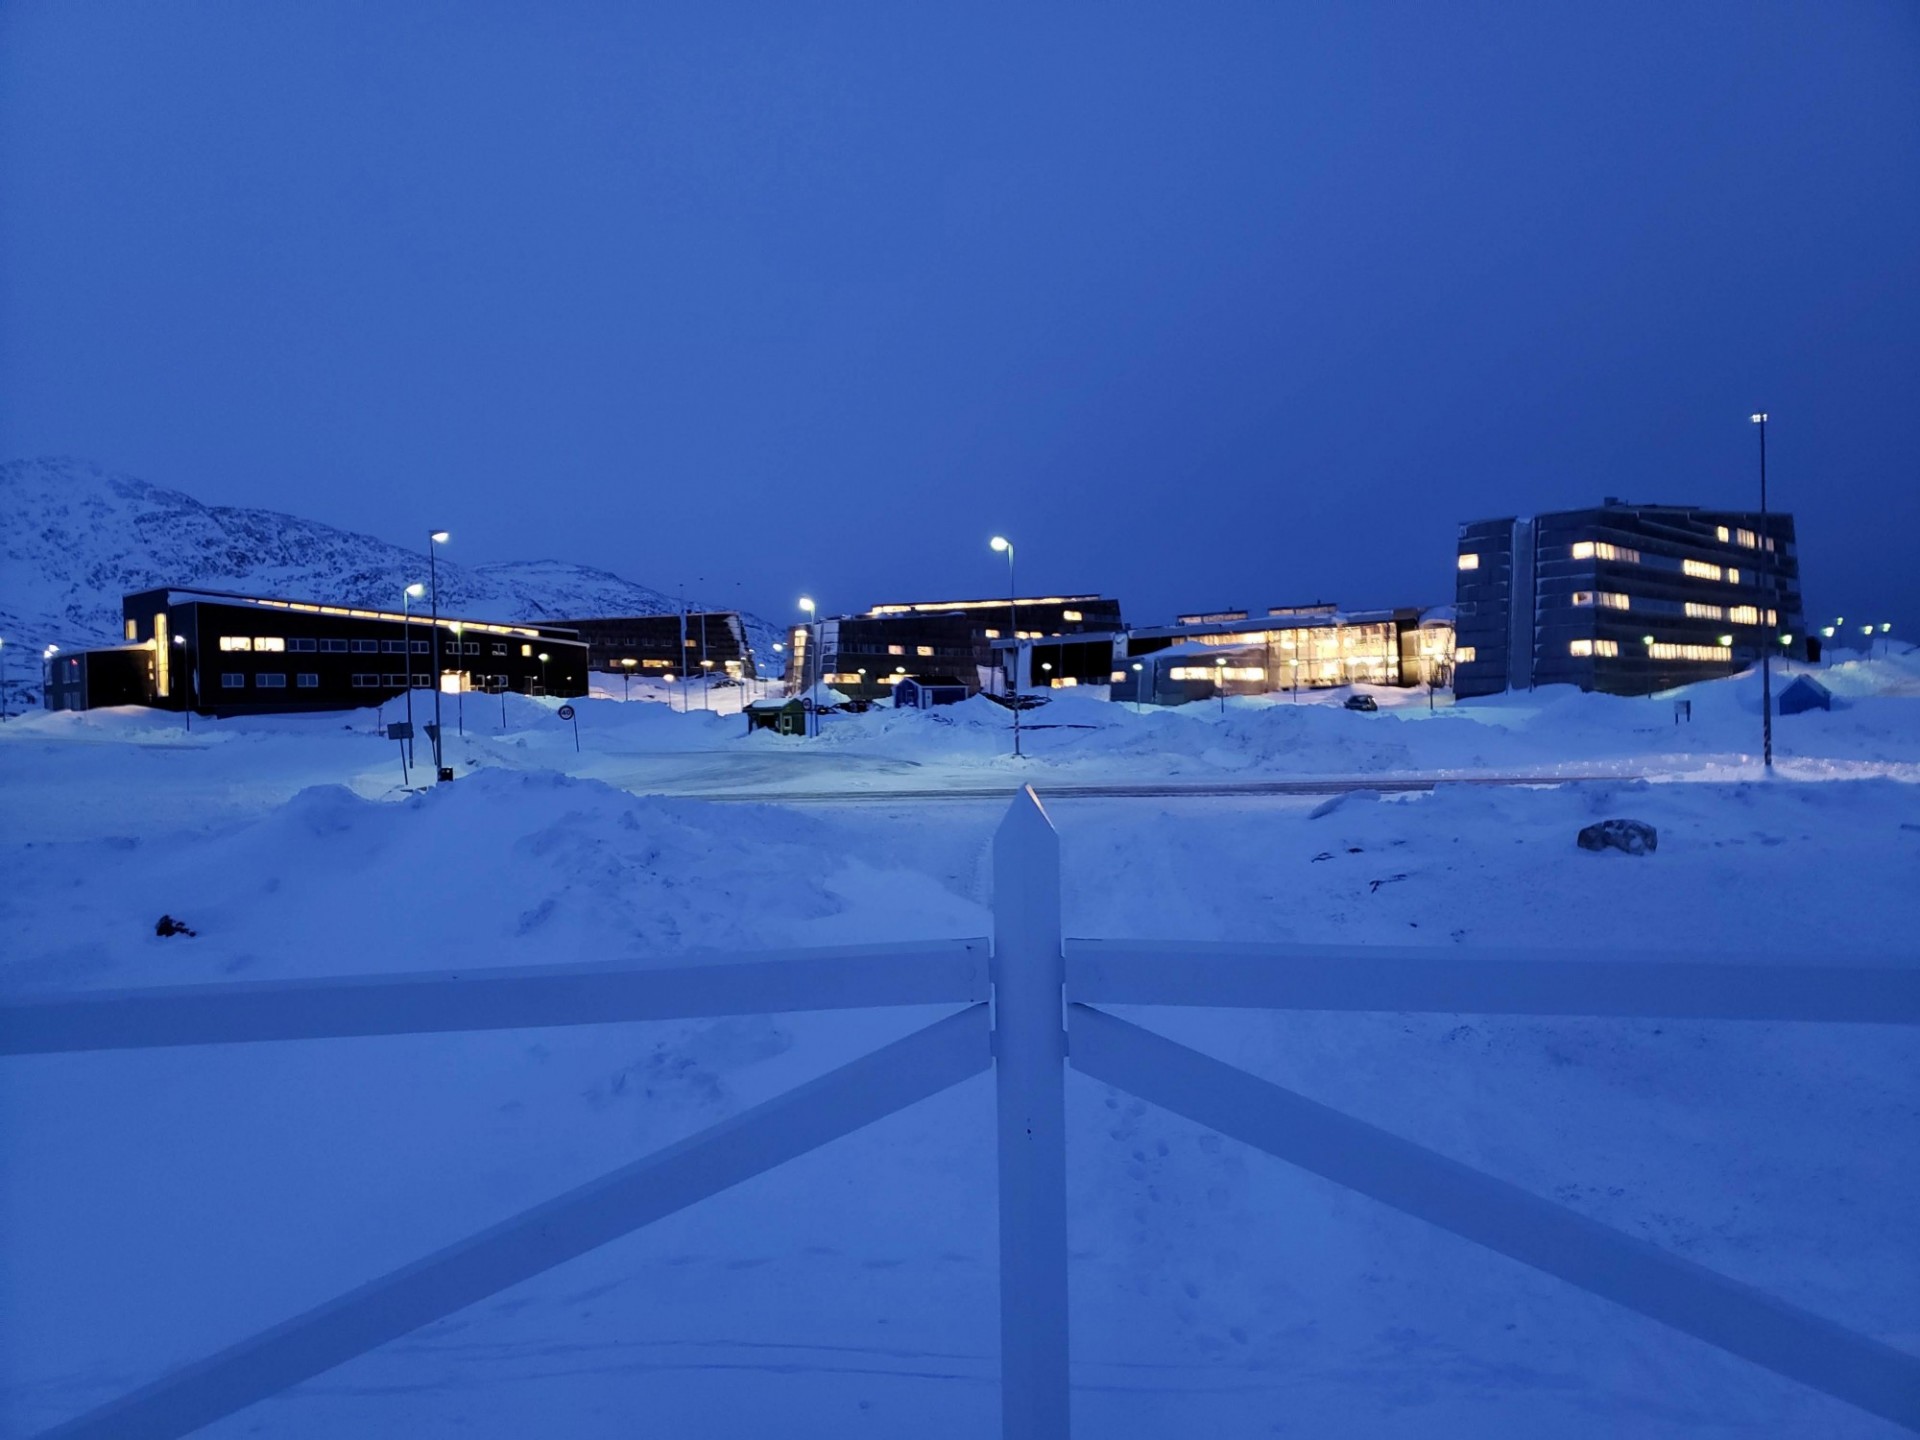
[948, 682]
[175, 596]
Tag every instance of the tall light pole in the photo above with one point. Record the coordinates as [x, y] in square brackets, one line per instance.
[186, 704]
[808, 609]
[46, 675]
[438, 537]
[460, 668]
[407, 597]
[1759, 417]
[626, 677]
[544, 657]
[1000, 542]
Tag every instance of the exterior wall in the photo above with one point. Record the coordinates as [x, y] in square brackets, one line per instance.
[1625, 599]
[1315, 653]
[667, 644]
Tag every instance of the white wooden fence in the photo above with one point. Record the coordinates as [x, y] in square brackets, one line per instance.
[1027, 1013]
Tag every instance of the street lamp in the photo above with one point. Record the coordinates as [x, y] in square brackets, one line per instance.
[407, 597]
[460, 669]
[1759, 417]
[813, 643]
[185, 705]
[1220, 680]
[1001, 543]
[46, 673]
[437, 537]
[544, 657]
[626, 677]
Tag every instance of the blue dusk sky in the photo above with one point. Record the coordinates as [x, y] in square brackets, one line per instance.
[1203, 304]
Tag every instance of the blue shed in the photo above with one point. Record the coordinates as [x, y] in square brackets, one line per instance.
[1805, 693]
[923, 692]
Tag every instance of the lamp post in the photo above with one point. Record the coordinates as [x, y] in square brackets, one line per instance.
[544, 657]
[1759, 417]
[1138, 707]
[407, 597]
[808, 609]
[438, 537]
[1220, 680]
[706, 673]
[186, 705]
[46, 674]
[460, 649]
[626, 677]
[1000, 542]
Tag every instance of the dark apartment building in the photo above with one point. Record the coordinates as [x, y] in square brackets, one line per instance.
[866, 655]
[1623, 598]
[713, 641]
[224, 654]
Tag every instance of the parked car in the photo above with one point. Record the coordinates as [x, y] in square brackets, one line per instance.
[1361, 702]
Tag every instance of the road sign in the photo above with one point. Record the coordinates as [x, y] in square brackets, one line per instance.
[566, 712]
[400, 730]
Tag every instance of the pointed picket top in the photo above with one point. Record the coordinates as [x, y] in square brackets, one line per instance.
[1026, 811]
[1026, 866]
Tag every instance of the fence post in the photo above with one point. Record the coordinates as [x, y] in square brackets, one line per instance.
[1030, 1053]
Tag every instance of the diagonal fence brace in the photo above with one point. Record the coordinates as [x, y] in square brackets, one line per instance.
[835, 1104]
[1505, 1218]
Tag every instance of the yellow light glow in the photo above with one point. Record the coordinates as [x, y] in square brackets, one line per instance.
[1469, 561]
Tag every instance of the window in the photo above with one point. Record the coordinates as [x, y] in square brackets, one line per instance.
[1698, 611]
[1664, 651]
[132, 630]
[1722, 534]
[235, 642]
[1470, 561]
[393, 647]
[308, 682]
[334, 647]
[1465, 655]
[1606, 647]
[270, 681]
[1744, 614]
[1733, 576]
[1071, 615]
[269, 642]
[1613, 600]
[1601, 549]
[366, 647]
[1118, 677]
[1583, 597]
[896, 649]
[923, 649]
[1701, 570]
[1224, 672]
[420, 682]
[1580, 647]
[993, 634]
[366, 682]
[298, 643]
[421, 647]
[526, 651]
[397, 680]
[233, 680]
[499, 647]
[472, 647]
[1747, 538]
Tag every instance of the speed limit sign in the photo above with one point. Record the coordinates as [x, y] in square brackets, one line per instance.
[566, 712]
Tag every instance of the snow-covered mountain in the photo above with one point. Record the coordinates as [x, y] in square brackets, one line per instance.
[74, 538]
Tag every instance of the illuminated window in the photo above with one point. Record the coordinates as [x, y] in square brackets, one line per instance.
[993, 634]
[1583, 597]
[1744, 614]
[1747, 538]
[1701, 570]
[923, 649]
[1589, 549]
[1209, 672]
[131, 632]
[270, 682]
[1773, 617]
[1465, 655]
[1065, 682]
[1720, 533]
[1698, 611]
[1469, 561]
[526, 650]
[1614, 600]
[1117, 677]
[1606, 647]
[269, 642]
[1071, 615]
[1665, 651]
[896, 649]
[235, 642]
[1733, 576]
[1581, 647]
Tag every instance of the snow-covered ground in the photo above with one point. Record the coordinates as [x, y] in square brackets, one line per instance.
[156, 1205]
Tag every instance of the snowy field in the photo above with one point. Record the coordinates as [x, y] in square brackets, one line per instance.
[157, 1205]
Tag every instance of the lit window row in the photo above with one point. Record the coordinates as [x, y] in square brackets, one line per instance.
[1605, 550]
[1696, 610]
[1465, 655]
[1745, 537]
[1744, 615]
[1071, 615]
[1469, 561]
[1664, 651]
[1605, 648]
[1610, 599]
[1225, 672]
[253, 642]
[1701, 570]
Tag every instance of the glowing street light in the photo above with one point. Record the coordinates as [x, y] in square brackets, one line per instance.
[544, 657]
[407, 597]
[811, 611]
[626, 677]
[1759, 417]
[1000, 544]
[1220, 680]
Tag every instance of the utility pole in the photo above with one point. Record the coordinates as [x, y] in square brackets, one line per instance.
[1759, 418]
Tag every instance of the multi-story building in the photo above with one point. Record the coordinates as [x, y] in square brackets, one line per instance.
[1291, 647]
[713, 641]
[224, 654]
[1628, 599]
[866, 655]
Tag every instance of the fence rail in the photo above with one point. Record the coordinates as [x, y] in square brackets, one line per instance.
[1027, 1011]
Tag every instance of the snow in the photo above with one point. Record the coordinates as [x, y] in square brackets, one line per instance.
[156, 1205]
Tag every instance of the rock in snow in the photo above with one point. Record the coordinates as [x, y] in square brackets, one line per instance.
[1636, 837]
